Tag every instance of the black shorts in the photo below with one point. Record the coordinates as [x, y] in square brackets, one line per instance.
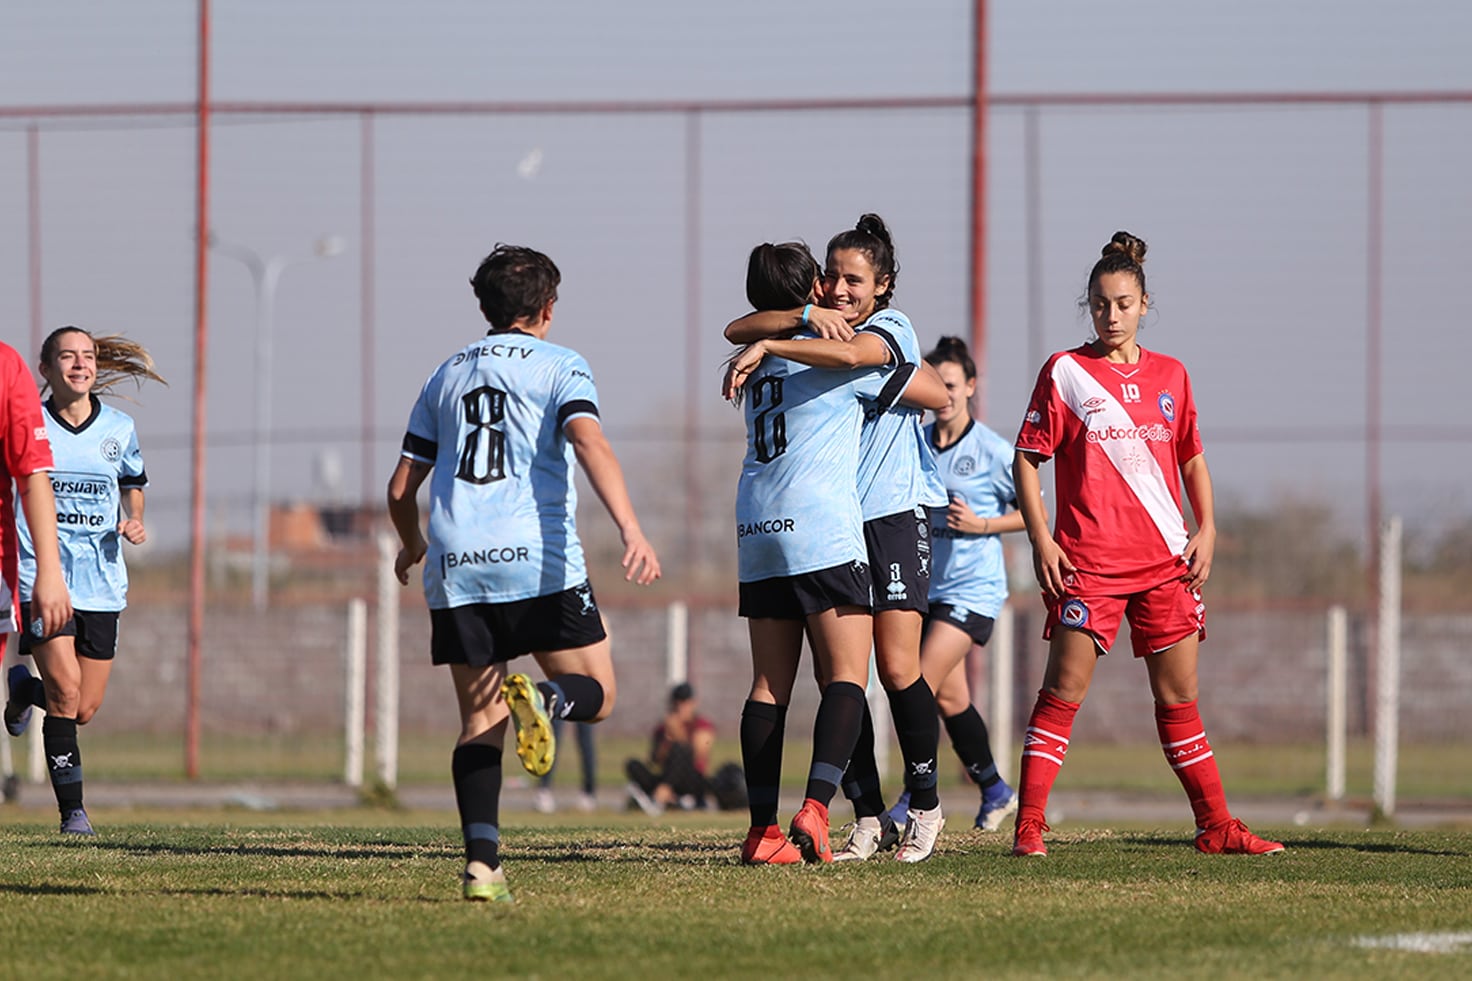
[96, 633]
[899, 560]
[489, 633]
[974, 625]
[799, 597]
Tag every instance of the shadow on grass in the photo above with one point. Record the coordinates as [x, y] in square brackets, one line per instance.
[1292, 844]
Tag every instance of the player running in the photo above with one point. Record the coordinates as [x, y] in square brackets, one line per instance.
[1121, 423]
[898, 483]
[499, 424]
[98, 484]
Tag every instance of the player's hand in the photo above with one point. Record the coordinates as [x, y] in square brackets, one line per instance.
[1052, 567]
[640, 563]
[132, 529]
[1198, 554]
[959, 517]
[408, 557]
[739, 369]
[50, 603]
[830, 324]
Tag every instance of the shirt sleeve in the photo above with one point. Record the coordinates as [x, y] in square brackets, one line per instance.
[1042, 424]
[421, 436]
[27, 448]
[887, 325]
[574, 393]
[1188, 435]
[131, 475]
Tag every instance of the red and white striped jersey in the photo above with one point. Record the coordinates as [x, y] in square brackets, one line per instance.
[1119, 434]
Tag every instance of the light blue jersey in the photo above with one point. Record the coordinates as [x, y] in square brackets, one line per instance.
[969, 571]
[93, 462]
[502, 499]
[797, 503]
[896, 468]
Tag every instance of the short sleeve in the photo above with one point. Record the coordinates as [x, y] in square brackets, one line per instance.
[1042, 423]
[27, 448]
[574, 393]
[1188, 435]
[131, 474]
[421, 436]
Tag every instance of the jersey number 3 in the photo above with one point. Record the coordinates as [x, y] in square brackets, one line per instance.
[483, 454]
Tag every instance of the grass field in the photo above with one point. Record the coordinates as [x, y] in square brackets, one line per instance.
[373, 894]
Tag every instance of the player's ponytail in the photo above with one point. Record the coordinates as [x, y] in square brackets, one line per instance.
[953, 349]
[117, 358]
[780, 277]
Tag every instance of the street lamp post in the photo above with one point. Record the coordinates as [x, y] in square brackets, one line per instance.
[265, 273]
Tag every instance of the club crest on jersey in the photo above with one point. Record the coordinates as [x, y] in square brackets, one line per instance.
[111, 449]
[966, 466]
[1034, 417]
[1073, 613]
[1167, 403]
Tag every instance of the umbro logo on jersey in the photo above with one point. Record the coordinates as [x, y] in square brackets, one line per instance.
[1095, 404]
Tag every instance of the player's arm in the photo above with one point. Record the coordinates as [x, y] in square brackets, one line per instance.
[784, 323]
[866, 350]
[131, 527]
[960, 517]
[49, 598]
[403, 511]
[596, 457]
[926, 390]
[1201, 546]
[1048, 560]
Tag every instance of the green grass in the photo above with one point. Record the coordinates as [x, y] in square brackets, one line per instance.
[366, 894]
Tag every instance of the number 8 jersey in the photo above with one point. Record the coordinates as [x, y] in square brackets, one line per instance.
[502, 497]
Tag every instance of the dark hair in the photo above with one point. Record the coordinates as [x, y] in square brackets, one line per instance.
[514, 283]
[954, 350]
[780, 277]
[1124, 253]
[117, 358]
[871, 237]
[682, 692]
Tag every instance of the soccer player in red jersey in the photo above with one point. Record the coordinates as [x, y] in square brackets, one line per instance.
[1121, 424]
[25, 457]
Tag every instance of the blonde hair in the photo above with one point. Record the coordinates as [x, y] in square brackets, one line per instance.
[117, 358]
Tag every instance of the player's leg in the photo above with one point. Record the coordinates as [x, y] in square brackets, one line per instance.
[943, 659]
[1156, 620]
[841, 640]
[1072, 655]
[776, 648]
[56, 660]
[96, 647]
[476, 769]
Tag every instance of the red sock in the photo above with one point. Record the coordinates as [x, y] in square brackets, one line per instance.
[1043, 748]
[1183, 738]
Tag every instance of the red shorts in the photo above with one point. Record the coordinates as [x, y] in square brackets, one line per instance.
[1159, 618]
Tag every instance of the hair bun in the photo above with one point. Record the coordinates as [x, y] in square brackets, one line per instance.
[1127, 245]
[872, 224]
[952, 346]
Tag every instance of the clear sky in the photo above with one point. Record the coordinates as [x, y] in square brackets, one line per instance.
[1256, 216]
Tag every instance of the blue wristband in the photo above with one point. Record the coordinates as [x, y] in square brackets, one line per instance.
[805, 311]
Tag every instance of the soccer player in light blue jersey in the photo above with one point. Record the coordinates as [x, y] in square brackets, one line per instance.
[98, 482]
[897, 484]
[968, 577]
[496, 430]
[801, 559]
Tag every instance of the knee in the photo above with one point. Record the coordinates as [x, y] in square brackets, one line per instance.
[610, 695]
[950, 705]
[85, 714]
[63, 701]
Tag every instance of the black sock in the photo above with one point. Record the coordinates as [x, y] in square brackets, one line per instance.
[575, 697]
[861, 779]
[972, 744]
[476, 768]
[919, 734]
[835, 730]
[762, 729]
[64, 761]
[34, 693]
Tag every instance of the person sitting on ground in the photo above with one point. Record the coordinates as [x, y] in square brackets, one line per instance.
[678, 757]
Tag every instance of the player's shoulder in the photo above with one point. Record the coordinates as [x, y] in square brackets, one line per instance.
[1163, 362]
[889, 318]
[112, 417]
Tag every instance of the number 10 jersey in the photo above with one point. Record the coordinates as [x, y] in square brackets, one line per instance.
[502, 496]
